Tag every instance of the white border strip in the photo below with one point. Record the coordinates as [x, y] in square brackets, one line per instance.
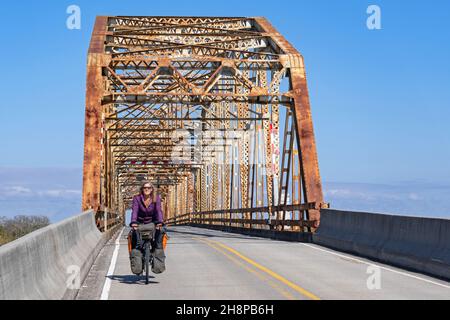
[112, 266]
[379, 266]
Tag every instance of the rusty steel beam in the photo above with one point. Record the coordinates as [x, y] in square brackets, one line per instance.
[92, 134]
[302, 114]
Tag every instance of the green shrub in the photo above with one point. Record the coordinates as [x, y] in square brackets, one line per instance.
[11, 229]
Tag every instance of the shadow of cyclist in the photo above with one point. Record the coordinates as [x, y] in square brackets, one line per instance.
[131, 279]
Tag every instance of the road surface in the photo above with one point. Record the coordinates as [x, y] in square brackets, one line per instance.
[209, 264]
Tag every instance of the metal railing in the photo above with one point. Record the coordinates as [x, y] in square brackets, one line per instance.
[294, 220]
[106, 220]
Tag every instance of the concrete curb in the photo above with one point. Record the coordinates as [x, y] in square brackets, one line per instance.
[413, 243]
[38, 265]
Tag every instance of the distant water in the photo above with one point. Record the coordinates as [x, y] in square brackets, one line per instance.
[52, 192]
[415, 198]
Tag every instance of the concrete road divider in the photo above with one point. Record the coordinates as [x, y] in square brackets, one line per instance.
[414, 243]
[52, 262]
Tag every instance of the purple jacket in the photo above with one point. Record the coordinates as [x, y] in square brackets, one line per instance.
[144, 215]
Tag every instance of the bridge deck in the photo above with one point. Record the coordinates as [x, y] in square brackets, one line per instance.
[207, 264]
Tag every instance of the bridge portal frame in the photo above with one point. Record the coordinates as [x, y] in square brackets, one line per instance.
[101, 186]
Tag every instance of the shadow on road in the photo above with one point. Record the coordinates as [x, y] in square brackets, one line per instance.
[131, 279]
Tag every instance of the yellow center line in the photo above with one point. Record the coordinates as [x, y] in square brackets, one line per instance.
[268, 271]
[260, 276]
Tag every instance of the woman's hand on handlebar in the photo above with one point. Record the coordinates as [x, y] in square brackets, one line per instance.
[134, 226]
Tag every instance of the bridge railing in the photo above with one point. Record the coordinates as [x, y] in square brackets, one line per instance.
[106, 220]
[288, 217]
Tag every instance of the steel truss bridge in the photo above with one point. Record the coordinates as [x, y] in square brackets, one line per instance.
[214, 111]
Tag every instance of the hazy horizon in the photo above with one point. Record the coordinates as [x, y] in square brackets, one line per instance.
[56, 193]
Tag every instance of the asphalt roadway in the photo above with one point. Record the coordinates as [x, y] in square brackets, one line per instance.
[208, 264]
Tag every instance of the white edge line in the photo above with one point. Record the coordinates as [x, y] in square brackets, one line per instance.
[377, 265]
[112, 266]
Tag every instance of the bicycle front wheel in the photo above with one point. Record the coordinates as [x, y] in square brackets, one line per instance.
[147, 262]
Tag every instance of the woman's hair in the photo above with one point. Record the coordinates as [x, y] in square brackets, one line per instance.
[154, 191]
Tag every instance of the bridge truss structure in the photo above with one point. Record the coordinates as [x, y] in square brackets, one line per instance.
[214, 111]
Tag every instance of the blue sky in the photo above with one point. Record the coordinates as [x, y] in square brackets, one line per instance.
[380, 99]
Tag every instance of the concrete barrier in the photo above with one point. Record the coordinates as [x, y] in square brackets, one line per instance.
[45, 264]
[263, 233]
[414, 243]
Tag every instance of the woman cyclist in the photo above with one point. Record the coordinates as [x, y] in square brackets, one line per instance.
[146, 207]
